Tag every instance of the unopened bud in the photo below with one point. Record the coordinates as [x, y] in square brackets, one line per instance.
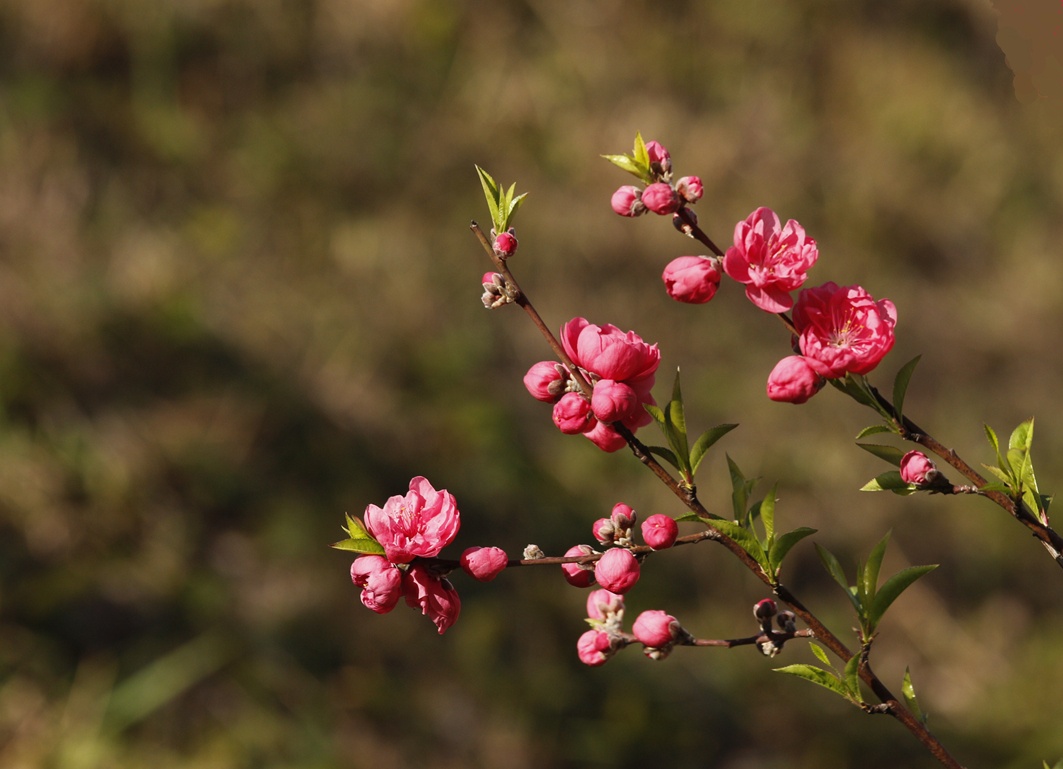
[505, 244]
[787, 621]
[765, 609]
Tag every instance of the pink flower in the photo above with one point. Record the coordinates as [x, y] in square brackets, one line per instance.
[604, 605]
[572, 414]
[595, 647]
[609, 353]
[484, 563]
[917, 468]
[771, 260]
[418, 525]
[659, 531]
[605, 437]
[656, 629]
[380, 580]
[844, 328]
[690, 188]
[617, 570]
[437, 598]
[660, 198]
[795, 379]
[692, 279]
[627, 201]
[546, 381]
[578, 574]
[505, 244]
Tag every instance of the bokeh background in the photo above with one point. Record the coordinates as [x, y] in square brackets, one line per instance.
[239, 298]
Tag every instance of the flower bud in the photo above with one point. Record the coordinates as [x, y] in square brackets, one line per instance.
[765, 609]
[505, 244]
[595, 647]
[380, 580]
[604, 605]
[659, 531]
[917, 468]
[572, 414]
[546, 381]
[617, 570]
[483, 563]
[795, 379]
[787, 621]
[660, 198]
[613, 401]
[690, 188]
[659, 157]
[604, 531]
[622, 516]
[627, 201]
[692, 279]
[656, 629]
[579, 574]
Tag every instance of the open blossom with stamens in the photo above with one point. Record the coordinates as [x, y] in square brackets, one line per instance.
[844, 328]
[419, 524]
[770, 258]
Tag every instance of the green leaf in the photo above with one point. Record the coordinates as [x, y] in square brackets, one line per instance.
[705, 442]
[873, 430]
[891, 454]
[908, 691]
[767, 513]
[740, 490]
[900, 383]
[891, 590]
[365, 546]
[785, 542]
[857, 388]
[666, 454]
[820, 654]
[818, 676]
[834, 568]
[656, 413]
[869, 576]
[675, 429]
[639, 152]
[493, 194]
[1003, 465]
[746, 540]
[852, 678]
[637, 163]
[889, 481]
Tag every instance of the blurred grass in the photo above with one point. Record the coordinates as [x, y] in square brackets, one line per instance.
[238, 298]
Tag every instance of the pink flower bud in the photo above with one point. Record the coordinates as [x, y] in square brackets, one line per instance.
[617, 570]
[690, 188]
[505, 244]
[656, 629]
[659, 155]
[604, 531]
[660, 198]
[595, 647]
[692, 279]
[613, 401]
[484, 563]
[622, 516]
[917, 468]
[437, 598]
[380, 580]
[545, 381]
[578, 574]
[627, 201]
[765, 609]
[795, 379]
[572, 414]
[659, 531]
[787, 621]
[603, 605]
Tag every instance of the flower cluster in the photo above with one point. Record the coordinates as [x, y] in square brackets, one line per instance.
[413, 527]
[619, 366]
[657, 631]
[660, 196]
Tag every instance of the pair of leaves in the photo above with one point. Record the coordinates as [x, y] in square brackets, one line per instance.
[501, 202]
[893, 421]
[679, 453]
[868, 598]
[859, 389]
[637, 163]
[845, 683]
[359, 540]
[1015, 470]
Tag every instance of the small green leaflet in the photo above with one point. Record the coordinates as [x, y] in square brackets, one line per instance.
[358, 539]
[637, 163]
[910, 699]
[502, 204]
[847, 684]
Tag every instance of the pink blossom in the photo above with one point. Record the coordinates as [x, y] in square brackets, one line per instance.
[572, 414]
[609, 353]
[656, 629]
[380, 580]
[659, 155]
[545, 381]
[418, 525]
[505, 244]
[617, 570]
[692, 279]
[627, 201]
[690, 188]
[771, 260]
[436, 597]
[578, 574]
[484, 563]
[795, 379]
[595, 647]
[844, 328]
[917, 468]
[604, 605]
[659, 531]
[605, 437]
[660, 198]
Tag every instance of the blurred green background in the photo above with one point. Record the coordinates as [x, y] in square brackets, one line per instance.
[239, 297]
